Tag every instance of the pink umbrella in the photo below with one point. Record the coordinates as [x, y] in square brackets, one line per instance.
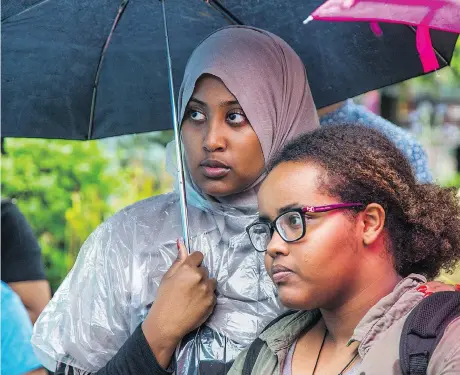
[424, 14]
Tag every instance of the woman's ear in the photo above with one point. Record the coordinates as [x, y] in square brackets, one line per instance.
[374, 222]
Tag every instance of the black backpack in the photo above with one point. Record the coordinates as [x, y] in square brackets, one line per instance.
[422, 331]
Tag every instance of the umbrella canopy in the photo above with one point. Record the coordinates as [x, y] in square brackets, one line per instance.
[424, 14]
[51, 59]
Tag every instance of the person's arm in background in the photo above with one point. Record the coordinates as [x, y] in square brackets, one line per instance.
[41, 371]
[35, 295]
[22, 266]
[18, 357]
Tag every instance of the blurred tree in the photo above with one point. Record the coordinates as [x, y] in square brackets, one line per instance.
[44, 177]
[146, 149]
[443, 82]
[66, 189]
[454, 181]
[456, 60]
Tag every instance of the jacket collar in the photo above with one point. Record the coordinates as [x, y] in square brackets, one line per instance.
[378, 319]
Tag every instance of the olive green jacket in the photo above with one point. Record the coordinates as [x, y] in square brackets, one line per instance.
[378, 333]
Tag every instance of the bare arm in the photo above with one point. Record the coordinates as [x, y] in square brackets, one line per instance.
[40, 371]
[34, 295]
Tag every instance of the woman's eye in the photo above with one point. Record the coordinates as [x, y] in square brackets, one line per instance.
[196, 116]
[236, 118]
[294, 220]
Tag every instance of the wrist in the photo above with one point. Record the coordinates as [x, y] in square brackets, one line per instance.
[162, 343]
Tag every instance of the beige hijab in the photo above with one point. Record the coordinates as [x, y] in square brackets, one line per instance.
[269, 81]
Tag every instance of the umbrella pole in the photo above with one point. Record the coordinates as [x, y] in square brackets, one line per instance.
[179, 155]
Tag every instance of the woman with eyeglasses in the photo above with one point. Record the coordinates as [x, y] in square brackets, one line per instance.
[349, 236]
[134, 296]
[135, 299]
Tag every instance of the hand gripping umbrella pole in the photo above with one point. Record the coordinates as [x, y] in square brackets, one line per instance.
[179, 155]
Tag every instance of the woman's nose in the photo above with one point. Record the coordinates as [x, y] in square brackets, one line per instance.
[277, 246]
[214, 139]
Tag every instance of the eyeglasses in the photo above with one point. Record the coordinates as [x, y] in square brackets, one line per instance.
[290, 225]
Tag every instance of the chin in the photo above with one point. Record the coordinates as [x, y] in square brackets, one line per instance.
[216, 188]
[297, 300]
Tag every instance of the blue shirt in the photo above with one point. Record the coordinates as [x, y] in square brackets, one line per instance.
[17, 354]
[351, 112]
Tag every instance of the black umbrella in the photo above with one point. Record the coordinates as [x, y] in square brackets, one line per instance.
[51, 59]
[87, 69]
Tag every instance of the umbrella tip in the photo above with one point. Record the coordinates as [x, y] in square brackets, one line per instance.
[309, 19]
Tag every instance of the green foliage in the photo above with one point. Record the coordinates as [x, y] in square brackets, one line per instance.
[66, 189]
[456, 60]
[144, 149]
[444, 81]
[453, 182]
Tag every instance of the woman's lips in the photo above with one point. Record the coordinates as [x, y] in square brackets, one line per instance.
[281, 274]
[215, 173]
[214, 169]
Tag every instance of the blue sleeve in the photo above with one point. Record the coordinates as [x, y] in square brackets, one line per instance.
[419, 162]
[16, 331]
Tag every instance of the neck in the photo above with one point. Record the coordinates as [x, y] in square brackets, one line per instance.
[342, 320]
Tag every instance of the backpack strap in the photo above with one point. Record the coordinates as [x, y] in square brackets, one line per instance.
[257, 344]
[424, 328]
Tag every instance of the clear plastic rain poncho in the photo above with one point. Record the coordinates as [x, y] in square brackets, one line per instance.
[118, 271]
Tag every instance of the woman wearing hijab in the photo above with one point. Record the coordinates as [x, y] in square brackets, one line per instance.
[244, 95]
[349, 249]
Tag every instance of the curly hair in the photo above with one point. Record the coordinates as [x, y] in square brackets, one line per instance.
[362, 165]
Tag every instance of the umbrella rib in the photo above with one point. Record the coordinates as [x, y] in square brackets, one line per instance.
[444, 60]
[25, 10]
[121, 9]
[224, 12]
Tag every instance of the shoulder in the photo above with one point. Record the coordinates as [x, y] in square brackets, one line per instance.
[278, 336]
[446, 357]
[12, 217]
[13, 311]
[17, 352]
[264, 362]
[9, 298]
[351, 112]
[21, 253]
[133, 233]
[120, 235]
[146, 207]
[8, 207]
[288, 325]
[365, 117]
[145, 212]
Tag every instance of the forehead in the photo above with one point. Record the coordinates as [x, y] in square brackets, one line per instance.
[209, 88]
[290, 183]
